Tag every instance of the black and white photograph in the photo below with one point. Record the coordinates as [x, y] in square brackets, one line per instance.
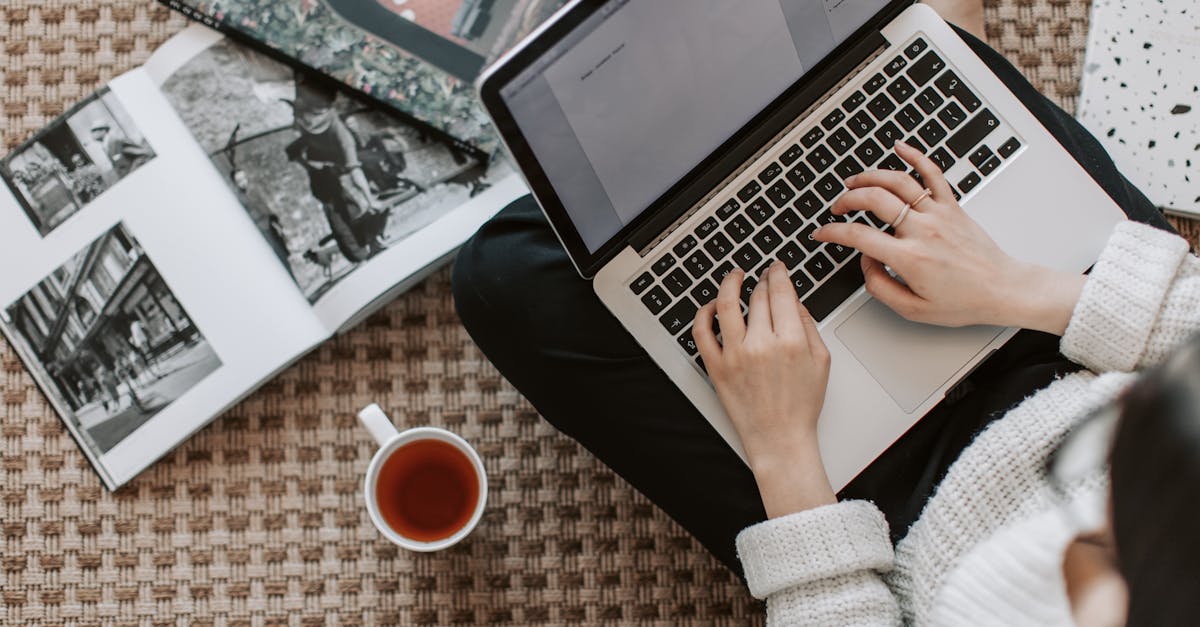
[76, 159]
[105, 335]
[329, 182]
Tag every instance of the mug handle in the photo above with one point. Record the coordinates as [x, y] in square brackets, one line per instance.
[378, 423]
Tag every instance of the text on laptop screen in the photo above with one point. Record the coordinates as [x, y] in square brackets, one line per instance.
[641, 92]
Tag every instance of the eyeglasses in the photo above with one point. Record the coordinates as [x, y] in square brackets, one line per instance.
[1085, 450]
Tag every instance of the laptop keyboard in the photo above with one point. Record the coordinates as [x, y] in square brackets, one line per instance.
[786, 194]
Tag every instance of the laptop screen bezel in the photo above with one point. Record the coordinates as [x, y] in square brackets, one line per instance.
[507, 69]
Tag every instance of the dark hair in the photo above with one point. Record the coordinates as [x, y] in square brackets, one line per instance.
[1156, 491]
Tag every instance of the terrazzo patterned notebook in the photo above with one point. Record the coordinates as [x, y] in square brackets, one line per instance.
[1141, 95]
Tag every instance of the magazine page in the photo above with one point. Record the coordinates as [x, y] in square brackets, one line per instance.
[352, 200]
[137, 293]
[420, 57]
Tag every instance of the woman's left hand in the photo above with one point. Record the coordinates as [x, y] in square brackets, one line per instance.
[770, 373]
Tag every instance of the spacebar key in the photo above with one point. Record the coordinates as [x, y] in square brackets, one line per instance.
[836, 290]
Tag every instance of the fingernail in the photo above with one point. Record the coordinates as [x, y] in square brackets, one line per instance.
[850, 179]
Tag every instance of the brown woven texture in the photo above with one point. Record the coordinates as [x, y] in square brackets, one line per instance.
[258, 519]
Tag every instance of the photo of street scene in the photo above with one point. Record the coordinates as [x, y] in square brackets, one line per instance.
[459, 36]
[328, 182]
[109, 340]
[78, 157]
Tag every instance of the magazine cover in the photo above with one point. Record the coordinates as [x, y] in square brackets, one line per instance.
[418, 56]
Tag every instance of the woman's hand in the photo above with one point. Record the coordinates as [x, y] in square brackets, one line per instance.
[951, 272]
[770, 372]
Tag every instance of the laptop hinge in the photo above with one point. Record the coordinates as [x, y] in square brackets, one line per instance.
[758, 141]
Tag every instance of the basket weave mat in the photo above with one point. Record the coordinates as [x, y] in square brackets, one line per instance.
[258, 520]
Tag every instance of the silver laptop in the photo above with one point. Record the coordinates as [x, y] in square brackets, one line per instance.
[669, 141]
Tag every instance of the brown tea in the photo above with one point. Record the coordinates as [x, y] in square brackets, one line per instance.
[427, 490]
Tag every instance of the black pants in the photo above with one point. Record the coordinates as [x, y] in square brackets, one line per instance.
[545, 329]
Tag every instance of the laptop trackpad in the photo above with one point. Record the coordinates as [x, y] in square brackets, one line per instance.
[910, 360]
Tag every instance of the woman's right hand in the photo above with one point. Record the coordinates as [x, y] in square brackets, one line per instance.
[951, 272]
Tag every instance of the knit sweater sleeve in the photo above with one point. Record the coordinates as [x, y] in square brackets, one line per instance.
[822, 566]
[1141, 300]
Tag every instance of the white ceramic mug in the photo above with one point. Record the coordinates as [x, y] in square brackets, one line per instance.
[390, 439]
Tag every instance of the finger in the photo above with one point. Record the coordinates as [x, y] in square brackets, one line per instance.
[811, 334]
[888, 290]
[879, 201]
[706, 338]
[759, 316]
[785, 307]
[934, 179]
[729, 308]
[899, 183]
[869, 241]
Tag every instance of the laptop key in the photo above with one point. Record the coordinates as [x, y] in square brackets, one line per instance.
[801, 283]
[989, 166]
[952, 86]
[661, 266]
[932, 132]
[889, 134]
[900, 89]
[869, 152]
[834, 291]
[684, 246]
[787, 222]
[747, 257]
[861, 124]
[790, 155]
[760, 210]
[833, 119]
[770, 173]
[739, 228]
[969, 182]
[687, 342]
[1008, 148]
[909, 117]
[767, 240]
[827, 217]
[943, 159]
[929, 100]
[677, 281]
[656, 299]
[881, 107]
[981, 154]
[809, 204]
[838, 252]
[806, 238]
[952, 116]
[749, 282]
[926, 68]
[916, 143]
[728, 209]
[780, 193]
[853, 102]
[820, 159]
[697, 263]
[704, 292]
[895, 65]
[749, 191]
[719, 246]
[790, 255]
[707, 227]
[874, 84]
[722, 271]
[972, 133]
[819, 266]
[800, 176]
[841, 141]
[915, 48]
[679, 316]
[893, 163]
[640, 284]
[813, 136]
[848, 167]
[829, 187]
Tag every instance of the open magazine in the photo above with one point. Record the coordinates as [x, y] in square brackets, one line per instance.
[420, 57]
[203, 221]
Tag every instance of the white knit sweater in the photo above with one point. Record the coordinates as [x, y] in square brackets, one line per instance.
[988, 547]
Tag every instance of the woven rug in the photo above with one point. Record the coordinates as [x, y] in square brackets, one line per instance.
[258, 520]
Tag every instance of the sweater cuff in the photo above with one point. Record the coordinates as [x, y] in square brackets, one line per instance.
[1122, 297]
[815, 544]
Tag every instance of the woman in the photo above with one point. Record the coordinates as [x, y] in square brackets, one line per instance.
[983, 535]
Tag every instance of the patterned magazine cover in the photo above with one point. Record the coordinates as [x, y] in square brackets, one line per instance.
[418, 56]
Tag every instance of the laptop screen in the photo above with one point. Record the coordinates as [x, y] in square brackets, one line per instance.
[641, 92]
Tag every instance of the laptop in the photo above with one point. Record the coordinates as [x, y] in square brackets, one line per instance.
[670, 141]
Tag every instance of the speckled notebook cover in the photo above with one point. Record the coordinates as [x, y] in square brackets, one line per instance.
[1141, 95]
